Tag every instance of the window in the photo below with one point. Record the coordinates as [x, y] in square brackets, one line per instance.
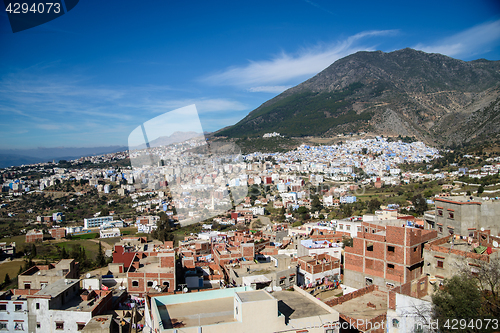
[440, 212]
[440, 229]
[37, 305]
[451, 215]
[3, 307]
[150, 283]
[359, 229]
[135, 283]
[38, 325]
[18, 307]
[390, 266]
[369, 247]
[395, 323]
[389, 285]
[3, 325]
[348, 227]
[18, 327]
[471, 233]
[166, 284]
[390, 249]
[341, 226]
[282, 281]
[440, 263]
[80, 326]
[59, 325]
[368, 281]
[27, 286]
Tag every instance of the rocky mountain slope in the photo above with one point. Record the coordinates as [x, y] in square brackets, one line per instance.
[432, 97]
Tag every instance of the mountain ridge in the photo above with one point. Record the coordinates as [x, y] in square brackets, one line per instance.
[404, 92]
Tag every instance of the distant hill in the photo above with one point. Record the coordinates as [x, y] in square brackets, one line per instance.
[176, 137]
[16, 157]
[432, 97]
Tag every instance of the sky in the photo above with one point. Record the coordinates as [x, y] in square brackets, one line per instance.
[93, 75]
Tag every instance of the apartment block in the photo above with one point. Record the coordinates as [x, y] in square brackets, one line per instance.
[463, 216]
[313, 269]
[96, 222]
[34, 235]
[57, 233]
[39, 276]
[152, 271]
[386, 254]
[447, 255]
[242, 310]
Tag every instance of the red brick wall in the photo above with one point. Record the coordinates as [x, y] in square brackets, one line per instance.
[354, 294]
[353, 262]
[395, 235]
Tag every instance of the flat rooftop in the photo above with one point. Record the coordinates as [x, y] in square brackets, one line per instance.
[58, 287]
[155, 268]
[198, 313]
[358, 308]
[461, 199]
[252, 296]
[195, 309]
[295, 305]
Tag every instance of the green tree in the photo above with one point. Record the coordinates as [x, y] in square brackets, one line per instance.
[101, 261]
[373, 205]
[480, 189]
[346, 210]
[347, 241]
[459, 298]
[64, 253]
[316, 204]
[420, 204]
[7, 280]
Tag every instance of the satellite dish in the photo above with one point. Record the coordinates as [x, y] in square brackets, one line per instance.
[155, 283]
[495, 243]
[185, 289]
[88, 275]
[482, 229]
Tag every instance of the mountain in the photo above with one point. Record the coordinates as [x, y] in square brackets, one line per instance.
[429, 96]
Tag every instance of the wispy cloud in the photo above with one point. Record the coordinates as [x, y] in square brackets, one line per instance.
[203, 105]
[318, 6]
[269, 89]
[286, 67]
[476, 40]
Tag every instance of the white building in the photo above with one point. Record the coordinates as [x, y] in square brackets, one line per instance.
[109, 233]
[59, 307]
[242, 309]
[96, 222]
[13, 312]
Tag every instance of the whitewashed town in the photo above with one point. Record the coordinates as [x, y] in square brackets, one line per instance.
[306, 239]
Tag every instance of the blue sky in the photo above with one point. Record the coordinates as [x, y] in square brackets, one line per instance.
[91, 76]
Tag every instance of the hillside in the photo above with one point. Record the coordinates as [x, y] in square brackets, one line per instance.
[410, 93]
